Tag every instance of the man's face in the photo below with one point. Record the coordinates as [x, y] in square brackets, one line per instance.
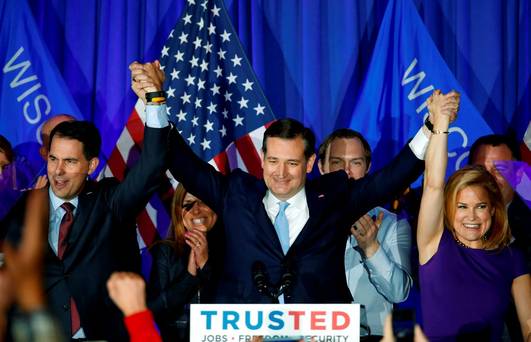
[68, 168]
[345, 154]
[285, 166]
[486, 155]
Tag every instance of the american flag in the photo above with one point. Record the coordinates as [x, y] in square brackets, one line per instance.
[213, 98]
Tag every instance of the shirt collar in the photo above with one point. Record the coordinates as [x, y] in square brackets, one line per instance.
[57, 202]
[296, 201]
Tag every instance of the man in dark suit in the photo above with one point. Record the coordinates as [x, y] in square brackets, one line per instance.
[284, 232]
[92, 224]
[319, 214]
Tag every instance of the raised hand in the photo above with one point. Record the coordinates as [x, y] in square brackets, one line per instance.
[443, 107]
[128, 291]
[455, 100]
[146, 78]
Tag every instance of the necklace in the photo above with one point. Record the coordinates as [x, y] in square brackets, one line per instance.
[460, 243]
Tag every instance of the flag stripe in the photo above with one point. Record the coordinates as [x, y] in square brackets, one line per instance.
[116, 165]
[250, 157]
[222, 162]
[135, 127]
[146, 227]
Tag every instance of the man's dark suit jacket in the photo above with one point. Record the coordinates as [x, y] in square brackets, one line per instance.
[316, 258]
[520, 223]
[101, 241]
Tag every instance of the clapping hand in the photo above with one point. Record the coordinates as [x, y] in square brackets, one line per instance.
[198, 243]
[365, 230]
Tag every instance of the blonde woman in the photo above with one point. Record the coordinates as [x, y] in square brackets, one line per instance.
[468, 272]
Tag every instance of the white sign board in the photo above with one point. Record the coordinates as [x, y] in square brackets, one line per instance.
[280, 322]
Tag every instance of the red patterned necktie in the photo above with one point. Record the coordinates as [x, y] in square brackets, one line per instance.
[64, 229]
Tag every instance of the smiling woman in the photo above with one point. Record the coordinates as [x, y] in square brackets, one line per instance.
[468, 271]
[185, 265]
[475, 211]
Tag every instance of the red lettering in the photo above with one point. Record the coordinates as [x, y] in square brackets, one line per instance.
[318, 317]
[335, 318]
[296, 318]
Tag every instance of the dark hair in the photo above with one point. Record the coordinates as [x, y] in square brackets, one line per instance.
[493, 140]
[291, 129]
[83, 131]
[345, 133]
[5, 147]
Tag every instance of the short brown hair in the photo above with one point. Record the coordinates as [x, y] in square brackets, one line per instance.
[499, 234]
[493, 140]
[344, 133]
[290, 129]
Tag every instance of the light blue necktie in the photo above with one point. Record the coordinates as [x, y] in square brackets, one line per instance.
[282, 226]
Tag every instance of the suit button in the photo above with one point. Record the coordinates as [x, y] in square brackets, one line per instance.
[66, 307]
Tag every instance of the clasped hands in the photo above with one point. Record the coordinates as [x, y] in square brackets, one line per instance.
[146, 78]
[198, 243]
[443, 108]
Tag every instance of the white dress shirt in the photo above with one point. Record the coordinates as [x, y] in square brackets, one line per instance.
[56, 215]
[384, 278]
[419, 144]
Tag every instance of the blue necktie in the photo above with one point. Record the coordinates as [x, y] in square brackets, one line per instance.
[282, 226]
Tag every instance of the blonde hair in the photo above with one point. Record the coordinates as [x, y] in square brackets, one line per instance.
[499, 234]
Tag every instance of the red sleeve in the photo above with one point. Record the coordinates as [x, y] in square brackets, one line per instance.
[141, 327]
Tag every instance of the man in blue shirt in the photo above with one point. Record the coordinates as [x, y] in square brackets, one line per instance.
[377, 252]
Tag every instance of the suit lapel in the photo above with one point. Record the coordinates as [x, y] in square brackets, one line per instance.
[315, 202]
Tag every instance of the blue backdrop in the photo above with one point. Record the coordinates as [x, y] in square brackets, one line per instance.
[311, 57]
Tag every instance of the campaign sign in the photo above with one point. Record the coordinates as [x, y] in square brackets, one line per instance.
[274, 322]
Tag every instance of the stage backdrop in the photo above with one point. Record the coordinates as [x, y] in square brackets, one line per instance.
[330, 64]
